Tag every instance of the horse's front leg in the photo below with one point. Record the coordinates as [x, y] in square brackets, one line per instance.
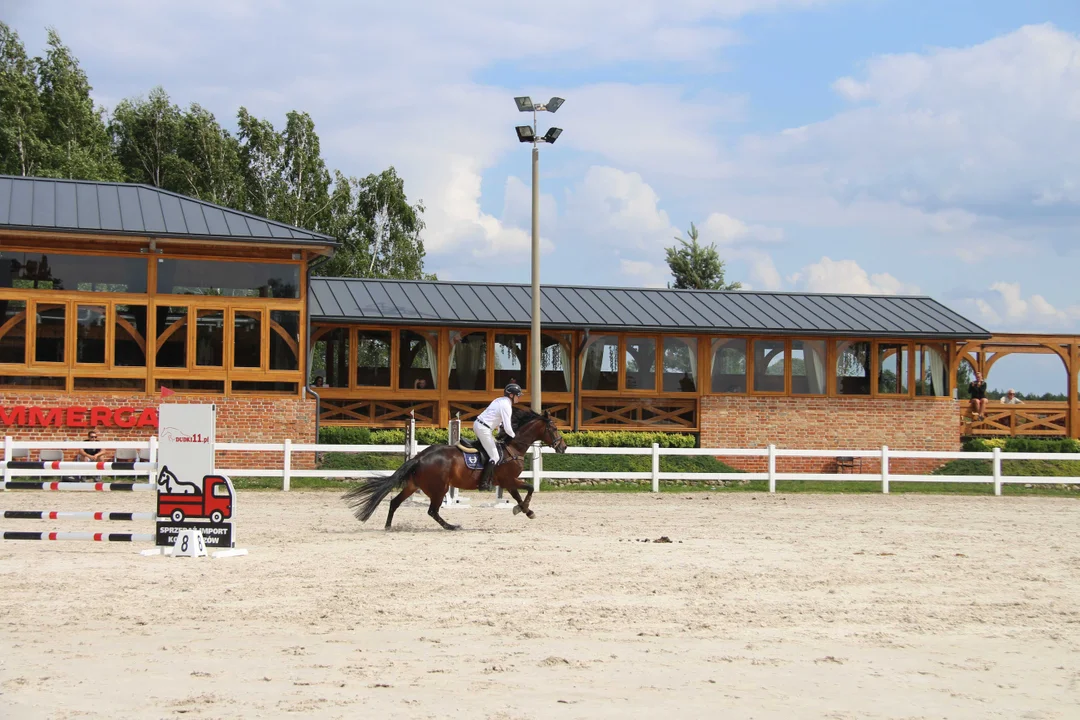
[522, 505]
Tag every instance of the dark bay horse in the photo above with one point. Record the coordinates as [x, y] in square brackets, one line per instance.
[440, 467]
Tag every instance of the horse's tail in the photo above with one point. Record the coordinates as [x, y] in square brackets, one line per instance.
[365, 497]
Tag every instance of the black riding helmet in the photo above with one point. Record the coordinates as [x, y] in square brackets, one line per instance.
[513, 389]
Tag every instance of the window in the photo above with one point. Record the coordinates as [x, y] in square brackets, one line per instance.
[729, 365]
[373, 358]
[172, 337]
[600, 366]
[129, 336]
[931, 376]
[49, 332]
[417, 360]
[247, 338]
[232, 279]
[111, 383]
[284, 340]
[13, 331]
[556, 373]
[769, 361]
[83, 273]
[330, 359]
[640, 363]
[209, 338]
[808, 367]
[893, 364]
[680, 364]
[852, 368]
[511, 362]
[90, 334]
[468, 361]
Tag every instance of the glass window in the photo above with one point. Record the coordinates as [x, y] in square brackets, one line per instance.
[418, 360]
[284, 340]
[274, 388]
[233, 279]
[90, 334]
[210, 338]
[172, 337]
[769, 361]
[808, 367]
[373, 358]
[680, 364]
[84, 273]
[13, 331]
[216, 387]
[330, 360]
[931, 374]
[511, 362]
[556, 373]
[640, 363]
[23, 381]
[893, 364]
[729, 365]
[247, 338]
[49, 333]
[852, 368]
[110, 383]
[468, 361]
[600, 366]
[129, 336]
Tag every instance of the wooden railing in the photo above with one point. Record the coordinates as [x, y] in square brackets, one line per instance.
[1031, 419]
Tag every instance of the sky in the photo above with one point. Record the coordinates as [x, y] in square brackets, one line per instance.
[866, 146]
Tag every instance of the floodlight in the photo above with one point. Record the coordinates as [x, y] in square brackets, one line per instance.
[552, 135]
[554, 104]
[525, 104]
[525, 133]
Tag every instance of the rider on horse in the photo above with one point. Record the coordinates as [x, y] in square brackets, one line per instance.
[496, 415]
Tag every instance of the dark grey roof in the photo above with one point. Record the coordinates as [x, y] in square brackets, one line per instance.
[561, 306]
[130, 209]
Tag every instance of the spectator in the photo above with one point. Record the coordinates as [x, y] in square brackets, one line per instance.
[977, 390]
[319, 381]
[1011, 399]
[420, 384]
[90, 453]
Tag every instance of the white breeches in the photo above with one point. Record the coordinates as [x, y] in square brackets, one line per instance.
[483, 433]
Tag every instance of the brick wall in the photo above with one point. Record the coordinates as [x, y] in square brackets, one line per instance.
[830, 424]
[239, 419]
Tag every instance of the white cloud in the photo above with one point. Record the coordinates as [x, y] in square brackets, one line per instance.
[620, 208]
[1006, 307]
[645, 273]
[846, 276]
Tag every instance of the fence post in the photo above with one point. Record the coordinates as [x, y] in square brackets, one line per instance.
[7, 459]
[885, 469]
[537, 464]
[656, 467]
[153, 449]
[286, 475]
[997, 471]
[772, 468]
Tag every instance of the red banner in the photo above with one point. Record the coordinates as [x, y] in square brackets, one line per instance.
[78, 417]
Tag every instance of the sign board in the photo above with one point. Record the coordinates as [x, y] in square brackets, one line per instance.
[189, 494]
[78, 416]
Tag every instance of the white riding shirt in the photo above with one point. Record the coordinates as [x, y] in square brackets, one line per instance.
[497, 415]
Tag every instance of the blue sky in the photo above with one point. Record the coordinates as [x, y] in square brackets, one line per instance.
[890, 146]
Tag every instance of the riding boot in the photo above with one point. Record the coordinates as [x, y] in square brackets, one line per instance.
[485, 477]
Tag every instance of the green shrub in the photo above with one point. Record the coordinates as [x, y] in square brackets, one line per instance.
[1022, 444]
[334, 435]
[627, 438]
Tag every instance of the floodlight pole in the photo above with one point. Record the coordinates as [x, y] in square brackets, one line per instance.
[534, 342]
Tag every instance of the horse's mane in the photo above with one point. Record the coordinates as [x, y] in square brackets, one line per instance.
[521, 416]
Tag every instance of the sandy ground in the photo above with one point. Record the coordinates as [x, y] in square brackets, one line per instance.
[761, 607]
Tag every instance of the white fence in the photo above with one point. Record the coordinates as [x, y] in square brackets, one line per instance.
[884, 456]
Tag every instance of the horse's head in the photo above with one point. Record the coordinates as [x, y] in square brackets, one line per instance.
[532, 426]
[551, 435]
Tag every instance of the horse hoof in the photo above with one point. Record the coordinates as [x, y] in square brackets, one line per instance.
[530, 514]
[453, 527]
[517, 509]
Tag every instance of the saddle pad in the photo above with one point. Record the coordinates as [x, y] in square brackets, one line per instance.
[473, 461]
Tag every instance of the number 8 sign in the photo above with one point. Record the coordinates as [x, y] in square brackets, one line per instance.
[189, 543]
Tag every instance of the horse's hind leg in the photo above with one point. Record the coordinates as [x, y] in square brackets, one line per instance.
[409, 489]
[522, 505]
[433, 511]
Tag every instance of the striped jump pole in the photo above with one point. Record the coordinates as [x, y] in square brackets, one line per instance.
[74, 515]
[74, 466]
[95, 537]
[77, 486]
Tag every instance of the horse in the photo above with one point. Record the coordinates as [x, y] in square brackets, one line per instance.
[440, 467]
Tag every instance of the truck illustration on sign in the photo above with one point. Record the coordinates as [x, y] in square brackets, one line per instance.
[213, 501]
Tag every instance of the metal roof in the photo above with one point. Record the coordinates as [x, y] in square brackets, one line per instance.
[131, 209]
[635, 309]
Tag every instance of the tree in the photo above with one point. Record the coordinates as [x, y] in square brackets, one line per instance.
[695, 267]
[378, 229]
[21, 118]
[74, 131]
[146, 136]
[209, 166]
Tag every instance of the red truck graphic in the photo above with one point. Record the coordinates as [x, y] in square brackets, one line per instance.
[215, 502]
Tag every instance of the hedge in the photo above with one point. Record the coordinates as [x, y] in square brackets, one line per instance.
[335, 435]
[1021, 444]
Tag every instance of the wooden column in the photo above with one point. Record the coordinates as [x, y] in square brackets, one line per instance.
[1073, 386]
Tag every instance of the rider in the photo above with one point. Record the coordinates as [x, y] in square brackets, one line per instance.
[497, 414]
